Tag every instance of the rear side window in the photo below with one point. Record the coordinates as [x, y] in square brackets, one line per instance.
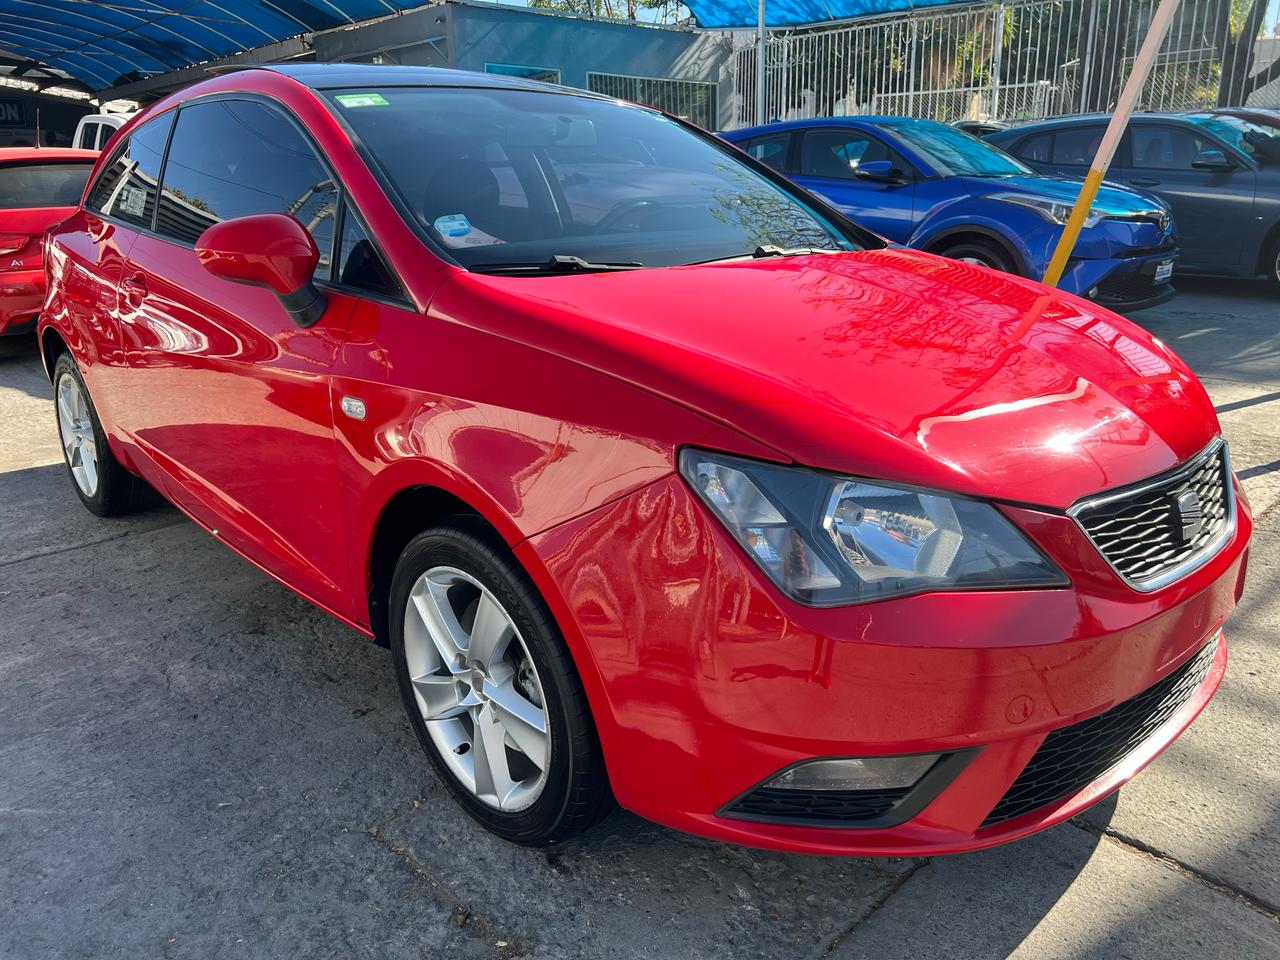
[1077, 145]
[771, 150]
[234, 158]
[1037, 149]
[126, 189]
[42, 184]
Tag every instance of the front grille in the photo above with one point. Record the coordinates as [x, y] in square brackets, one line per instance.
[1126, 288]
[817, 806]
[1072, 758]
[1162, 529]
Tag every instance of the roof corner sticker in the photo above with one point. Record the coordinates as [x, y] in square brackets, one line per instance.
[361, 99]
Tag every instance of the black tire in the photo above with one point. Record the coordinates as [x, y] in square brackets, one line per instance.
[988, 253]
[117, 491]
[1271, 263]
[576, 792]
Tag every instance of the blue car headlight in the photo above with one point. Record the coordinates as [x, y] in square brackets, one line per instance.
[1052, 210]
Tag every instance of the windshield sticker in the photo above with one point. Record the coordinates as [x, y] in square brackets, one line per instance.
[361, 99]
[456, 231]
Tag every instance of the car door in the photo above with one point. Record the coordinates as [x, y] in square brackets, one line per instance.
[827, 163]
[232, 401]
[1211, 207]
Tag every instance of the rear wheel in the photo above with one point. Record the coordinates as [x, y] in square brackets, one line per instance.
[1272, 263]
[102, 484]
[985, 253]
[491, 690]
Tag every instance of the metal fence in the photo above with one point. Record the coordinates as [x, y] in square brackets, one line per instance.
[1017, 60]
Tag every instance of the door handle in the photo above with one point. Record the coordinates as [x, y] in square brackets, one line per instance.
[135, 289]
[1144, 182]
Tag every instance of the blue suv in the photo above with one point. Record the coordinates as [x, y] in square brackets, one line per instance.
[935, 188]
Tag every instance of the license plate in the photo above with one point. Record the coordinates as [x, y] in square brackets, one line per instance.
[1164, 270]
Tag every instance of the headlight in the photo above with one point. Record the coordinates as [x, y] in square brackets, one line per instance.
[825, 539]
[1051, 210]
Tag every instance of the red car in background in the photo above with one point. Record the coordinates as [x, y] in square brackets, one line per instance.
[698, 496]
[38, 187]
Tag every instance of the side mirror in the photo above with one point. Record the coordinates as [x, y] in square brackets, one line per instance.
[881, 170]
[1212, 159]
[267, 250]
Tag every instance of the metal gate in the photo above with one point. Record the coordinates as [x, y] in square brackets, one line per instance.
[1018, 60]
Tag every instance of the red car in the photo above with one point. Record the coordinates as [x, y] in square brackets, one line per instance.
[38, 187]
[702, 499]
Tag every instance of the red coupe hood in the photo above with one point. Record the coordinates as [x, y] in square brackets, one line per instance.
[890, 364]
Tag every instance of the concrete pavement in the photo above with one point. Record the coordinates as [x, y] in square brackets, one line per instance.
[196, 763]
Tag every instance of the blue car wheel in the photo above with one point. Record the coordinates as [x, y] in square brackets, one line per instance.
[978, 251]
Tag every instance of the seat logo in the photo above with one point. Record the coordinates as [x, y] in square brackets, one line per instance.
[1190, 515]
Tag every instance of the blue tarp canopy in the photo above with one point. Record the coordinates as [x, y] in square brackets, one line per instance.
[112, 42]
[789, 13]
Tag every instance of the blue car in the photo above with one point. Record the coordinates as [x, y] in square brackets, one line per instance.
[935, 188]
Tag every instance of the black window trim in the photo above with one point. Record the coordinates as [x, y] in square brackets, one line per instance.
[344, 199]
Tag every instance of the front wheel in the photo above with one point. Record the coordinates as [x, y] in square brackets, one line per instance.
[979, 252]
[1272, 262]
[491, 690]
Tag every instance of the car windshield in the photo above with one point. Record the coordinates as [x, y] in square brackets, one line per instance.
[25, 185]
[1256, 140]
[952, 152]
[505, 177]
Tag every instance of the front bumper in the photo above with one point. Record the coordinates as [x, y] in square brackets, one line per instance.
[1124, 284]
[706, 681]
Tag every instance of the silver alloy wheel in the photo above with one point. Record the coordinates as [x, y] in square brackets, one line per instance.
[477, 689]
[978, 260]
[75, 425]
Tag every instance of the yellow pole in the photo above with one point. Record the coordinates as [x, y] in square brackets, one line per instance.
[1111, 139]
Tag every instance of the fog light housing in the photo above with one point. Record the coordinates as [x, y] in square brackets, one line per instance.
[850, 792]
[860, 773]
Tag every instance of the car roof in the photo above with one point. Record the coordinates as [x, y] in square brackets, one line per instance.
[44, 154]
[1083, 118]
[330, 76]
[858, 120]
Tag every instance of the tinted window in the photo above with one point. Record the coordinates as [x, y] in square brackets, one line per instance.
[1076, 145]
[837, 153]
[359, 263]
[233, 158]
[588, 178]
[952, 152]
[88, 139]
[42, 184]
[1037, 149]
[126, 189]
[771, 150]
[1166, 148]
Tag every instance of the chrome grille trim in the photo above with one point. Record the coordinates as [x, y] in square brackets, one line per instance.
[1132, 527]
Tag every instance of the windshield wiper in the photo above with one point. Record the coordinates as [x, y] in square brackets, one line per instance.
[559, 263]
[768, 250]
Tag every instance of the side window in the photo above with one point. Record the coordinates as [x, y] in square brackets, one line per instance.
[359, 263]
[770, 150]
[1037, 149]
[1165, 148]
[836, 154]
[233, 158]
[126, 188]
[1076, 146]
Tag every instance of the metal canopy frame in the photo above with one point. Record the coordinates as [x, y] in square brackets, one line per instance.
[106, 43]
